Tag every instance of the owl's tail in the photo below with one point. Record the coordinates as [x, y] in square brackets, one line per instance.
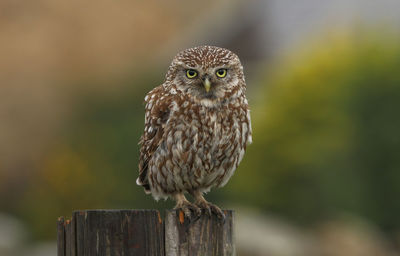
[146, 186]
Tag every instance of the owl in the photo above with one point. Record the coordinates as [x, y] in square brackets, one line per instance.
[197, 127]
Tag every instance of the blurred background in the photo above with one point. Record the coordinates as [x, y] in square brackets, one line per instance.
[323, 174]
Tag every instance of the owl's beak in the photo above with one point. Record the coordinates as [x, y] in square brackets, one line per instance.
[207, 84]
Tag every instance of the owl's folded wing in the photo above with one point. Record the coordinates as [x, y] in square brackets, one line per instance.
[156, 115]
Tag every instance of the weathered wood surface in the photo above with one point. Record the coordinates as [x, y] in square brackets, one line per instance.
[206, 236]
[111, 232]
[61, 237]
[142, 232]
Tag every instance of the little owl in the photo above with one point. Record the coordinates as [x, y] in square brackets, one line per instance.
[197, 126]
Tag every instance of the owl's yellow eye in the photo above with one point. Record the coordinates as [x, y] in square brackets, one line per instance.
[221, 72]
[191, 73]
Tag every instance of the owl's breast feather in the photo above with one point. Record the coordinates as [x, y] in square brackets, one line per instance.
[206, 144]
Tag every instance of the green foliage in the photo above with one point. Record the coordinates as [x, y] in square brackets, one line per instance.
[326, 134]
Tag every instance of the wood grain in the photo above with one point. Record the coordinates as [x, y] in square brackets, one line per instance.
[60, 237]
[142, 232]
[206, 236]
[112, 232]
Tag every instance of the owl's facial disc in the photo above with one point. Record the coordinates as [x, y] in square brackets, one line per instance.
[209, 82]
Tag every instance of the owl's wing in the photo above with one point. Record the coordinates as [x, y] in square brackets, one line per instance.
[156, 115]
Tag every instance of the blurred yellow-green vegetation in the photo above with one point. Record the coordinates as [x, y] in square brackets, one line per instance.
[326, 138]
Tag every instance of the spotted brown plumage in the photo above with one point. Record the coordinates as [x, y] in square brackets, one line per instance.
[197, 126]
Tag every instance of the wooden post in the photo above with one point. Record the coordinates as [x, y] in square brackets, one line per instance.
[206, 236]
[61, 237]
[111, 232]
[141, 232]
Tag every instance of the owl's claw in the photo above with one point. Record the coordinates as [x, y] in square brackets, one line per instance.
[191, 211]
[207, 210]
[210, 208]
[215, 209]
[187, 209]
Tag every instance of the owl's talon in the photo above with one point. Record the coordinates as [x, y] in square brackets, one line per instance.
[196, 216]
[210, 208]
[188, 213]
[215, 209]
[197, 212]
[188, 208]
[207, 211]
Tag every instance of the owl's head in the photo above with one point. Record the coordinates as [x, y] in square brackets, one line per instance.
[206, 72]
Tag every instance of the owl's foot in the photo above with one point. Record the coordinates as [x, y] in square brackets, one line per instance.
[208, 207]
[191, 211]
